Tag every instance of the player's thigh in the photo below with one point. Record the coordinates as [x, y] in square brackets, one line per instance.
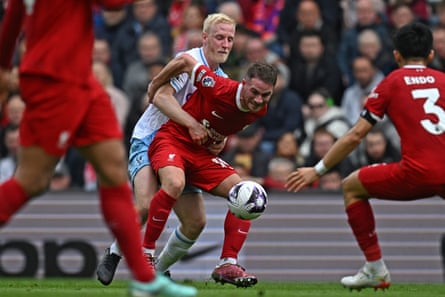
[145, 186]
[35, 169]
[224, 187]
[109, 160]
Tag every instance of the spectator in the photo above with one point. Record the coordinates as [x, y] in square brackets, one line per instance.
[102, 51]
[120, 101]
[287, 147]
[278, 170]
[233, 10]
[322, 141]
[322, 114]
[192, 20]
[331, 181]
[420, 8]
[14, 109]
[370, 45]
[439, 47]
[375, 148]
[368, 17]
[8, 161]
[315, 68]
[283, 115]
[137, 75]
[366, 77]
[111, 20]
[125, 47]
[401, 14]
[308, 17]
[247, 153]
[256, 51]
[263, 17]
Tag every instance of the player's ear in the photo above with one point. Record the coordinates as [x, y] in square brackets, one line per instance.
[430, 57]
[397, 57]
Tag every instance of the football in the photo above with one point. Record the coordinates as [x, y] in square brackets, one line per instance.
[247, 200]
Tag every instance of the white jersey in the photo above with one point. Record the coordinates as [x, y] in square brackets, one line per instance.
[152, 118]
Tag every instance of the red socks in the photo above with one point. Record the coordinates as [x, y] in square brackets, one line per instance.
[361, 220]
[158, 212]
[121, 217]
[12, 198]
[235, 234]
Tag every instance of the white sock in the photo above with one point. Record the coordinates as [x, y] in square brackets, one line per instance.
[114, 249]
[377, 266]
[227, 260]
[175, 248]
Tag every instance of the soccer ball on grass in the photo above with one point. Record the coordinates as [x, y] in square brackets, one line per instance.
[247, 200]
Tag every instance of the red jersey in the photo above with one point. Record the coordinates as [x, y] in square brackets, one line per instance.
[413, 97]
[59, 36]
[216, 105]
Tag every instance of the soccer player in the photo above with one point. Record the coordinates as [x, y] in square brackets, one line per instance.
[66, 106]
[217, 36]
[413, 98]
[223, 107]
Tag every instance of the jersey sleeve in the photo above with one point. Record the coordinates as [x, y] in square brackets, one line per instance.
[378, 100]
[208, 83]
[9, 31]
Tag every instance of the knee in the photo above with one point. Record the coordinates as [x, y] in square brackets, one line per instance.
[174, 186]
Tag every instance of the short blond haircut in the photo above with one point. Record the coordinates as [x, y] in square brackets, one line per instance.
[216, 18]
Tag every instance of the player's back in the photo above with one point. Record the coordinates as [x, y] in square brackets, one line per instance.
[59, 39]
[414, 99]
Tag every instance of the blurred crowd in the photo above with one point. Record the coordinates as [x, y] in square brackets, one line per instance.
[330, 55]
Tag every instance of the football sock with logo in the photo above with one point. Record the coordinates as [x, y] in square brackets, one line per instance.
[235, 234]
[362, 222]
[123, 221]
[159, 210]
[175, 248]
[12, 198]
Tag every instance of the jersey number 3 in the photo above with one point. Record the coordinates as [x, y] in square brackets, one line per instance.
[430, 107]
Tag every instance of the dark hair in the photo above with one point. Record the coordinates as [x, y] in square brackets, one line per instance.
[263, 71]
[414, 40]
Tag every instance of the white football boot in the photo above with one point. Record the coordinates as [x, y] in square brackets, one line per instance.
[367, 277]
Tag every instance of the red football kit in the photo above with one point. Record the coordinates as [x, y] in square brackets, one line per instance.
[216, 105]
[413, 98]
[59, 39]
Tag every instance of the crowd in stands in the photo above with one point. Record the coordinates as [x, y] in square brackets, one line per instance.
[330, 55]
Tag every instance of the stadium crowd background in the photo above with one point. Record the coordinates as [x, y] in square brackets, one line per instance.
[330, 54]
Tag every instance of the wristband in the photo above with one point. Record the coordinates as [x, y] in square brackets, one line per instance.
[320, 168]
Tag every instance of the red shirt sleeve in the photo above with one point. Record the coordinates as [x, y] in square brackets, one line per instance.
[10, 29]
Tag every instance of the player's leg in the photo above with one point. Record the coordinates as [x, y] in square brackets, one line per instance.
[99, 141]
[144, 187]
[34, 171]
[190, 211]
[172, 181]
[374, 273]
[236, 230]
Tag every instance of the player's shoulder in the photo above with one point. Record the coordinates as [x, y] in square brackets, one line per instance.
[196, 53]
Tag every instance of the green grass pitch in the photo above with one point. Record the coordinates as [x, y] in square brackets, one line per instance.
[91, 288]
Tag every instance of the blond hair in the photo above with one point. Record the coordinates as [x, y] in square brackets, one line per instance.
[216, 18]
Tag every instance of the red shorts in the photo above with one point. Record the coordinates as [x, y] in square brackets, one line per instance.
[59, 114]
[201, 168]
[395, 182]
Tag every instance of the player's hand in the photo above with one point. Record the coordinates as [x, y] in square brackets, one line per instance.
[301, 178]
[149, 96]
[198, 133]
[216, 148]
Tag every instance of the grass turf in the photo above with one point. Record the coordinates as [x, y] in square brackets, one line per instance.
[90, 288]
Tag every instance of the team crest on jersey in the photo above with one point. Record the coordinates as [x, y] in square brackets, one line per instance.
[208, 81]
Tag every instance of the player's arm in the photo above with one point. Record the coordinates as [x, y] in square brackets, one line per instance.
[168, 105]
[9, 31]
[181, 64]
[342, 148]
